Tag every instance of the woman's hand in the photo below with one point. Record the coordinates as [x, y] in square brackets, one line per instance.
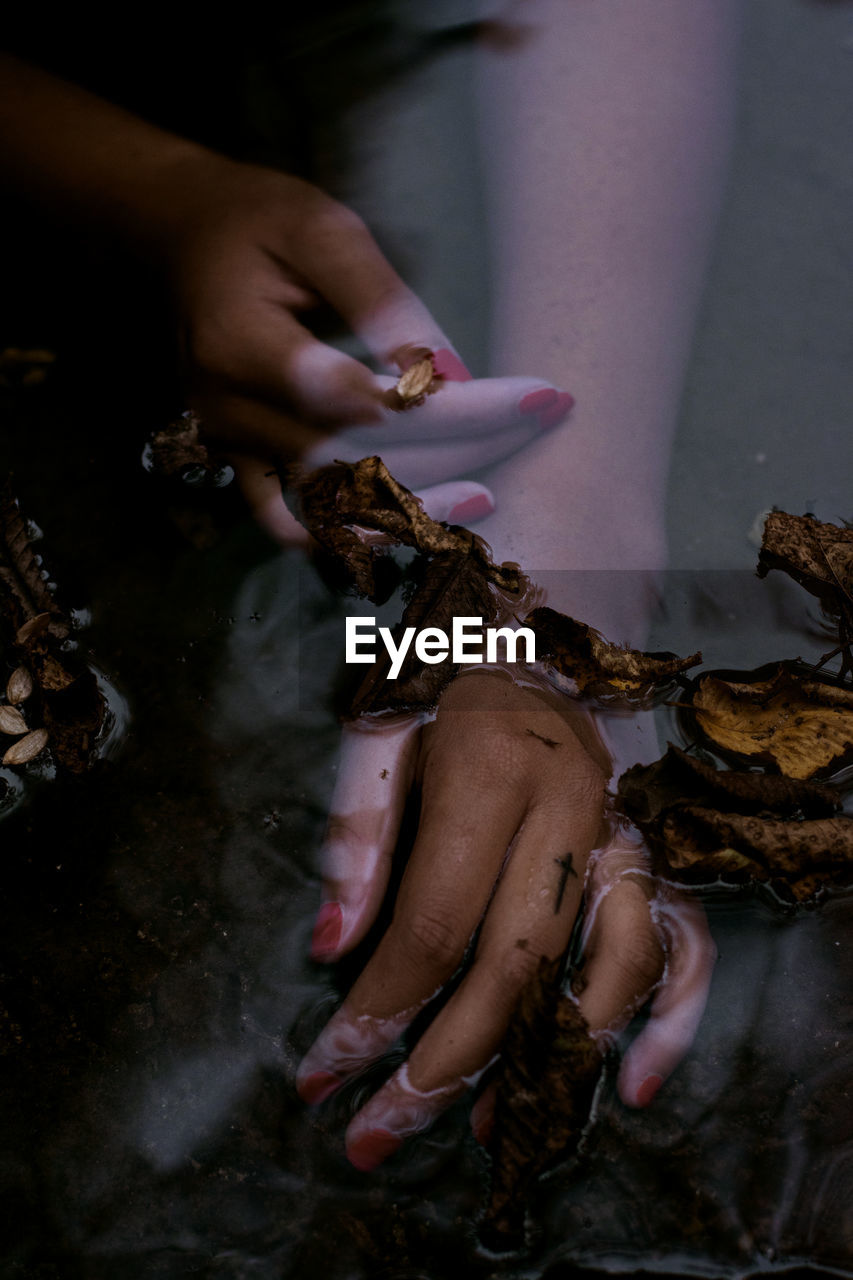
[512, 786]
[249, 251]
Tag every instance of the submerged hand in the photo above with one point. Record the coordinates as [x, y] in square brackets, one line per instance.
[512, 789]
[249, 251]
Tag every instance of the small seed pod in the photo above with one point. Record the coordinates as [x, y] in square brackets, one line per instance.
[416, 381]
[27, 748]
[12, 722]
[20, 686]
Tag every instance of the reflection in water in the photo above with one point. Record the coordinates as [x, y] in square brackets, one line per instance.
[174, 998]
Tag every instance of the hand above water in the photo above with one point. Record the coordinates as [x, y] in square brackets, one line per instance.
[250, 251]
[245, 252]
[512, 782]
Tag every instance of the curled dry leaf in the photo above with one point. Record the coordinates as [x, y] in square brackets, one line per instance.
[598, 667]
[177, 446]
[820, 557]
[547, 1075]
[19, 686]
[450, 584]
[24, 591]
[340, 503]
[704, 823]
[27, 748]
[803, 726]
[12, 722]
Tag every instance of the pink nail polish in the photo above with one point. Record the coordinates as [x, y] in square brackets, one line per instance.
[327, 931]
[473, 508]
[317, 1087]
[555, 413]
[447, 365]
[648, 1089]
[482, 1129]
[372, 1148]
[534, 401]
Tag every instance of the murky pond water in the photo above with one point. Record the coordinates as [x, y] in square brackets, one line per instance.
[157, 992]
[155, 989]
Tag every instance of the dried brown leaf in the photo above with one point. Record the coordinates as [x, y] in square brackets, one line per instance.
[766, 848]
[548, 1072]
[710, 822]
[452, 584]
[74, 716]
[27, 748]
[344, 505]
[802, 726]
[177, 447]
[23, 589]
[597, 666]
[646, 791]
[819, 556]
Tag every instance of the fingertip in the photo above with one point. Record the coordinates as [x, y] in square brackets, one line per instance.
[483, 1115]
[317, 1087]
[447, 365]
[327, 932]
[637, 1084]
[648, 1090]
[471, 509]
[557, 412]
[368, 1150]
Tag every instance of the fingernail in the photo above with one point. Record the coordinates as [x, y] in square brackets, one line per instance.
[448, 365]
[473, 508]
[327, 931]
[317, 1087]
[482, 1129]
[536, 400]
[556, 412]
[648, 1089]
[372, 1148]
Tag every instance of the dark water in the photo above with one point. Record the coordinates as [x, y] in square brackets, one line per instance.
[156, 992]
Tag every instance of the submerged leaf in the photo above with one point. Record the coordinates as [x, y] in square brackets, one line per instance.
[801, 854]
[802, 726]
[451, 584]
[23, 588]
[596, 665]
[548, 1072]
[713, 822]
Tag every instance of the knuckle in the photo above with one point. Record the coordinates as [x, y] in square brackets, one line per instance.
[432, 940]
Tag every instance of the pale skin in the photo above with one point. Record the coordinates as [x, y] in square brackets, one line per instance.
[613, 122]
[244, 251]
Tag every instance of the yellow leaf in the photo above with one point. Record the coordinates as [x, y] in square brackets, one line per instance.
[802, 726]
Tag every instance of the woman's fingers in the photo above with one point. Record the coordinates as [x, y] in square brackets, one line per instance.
[375, 772]
[531, 916]
[640, 938]
[678, 1005]
[515, 799]
[335, 253]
